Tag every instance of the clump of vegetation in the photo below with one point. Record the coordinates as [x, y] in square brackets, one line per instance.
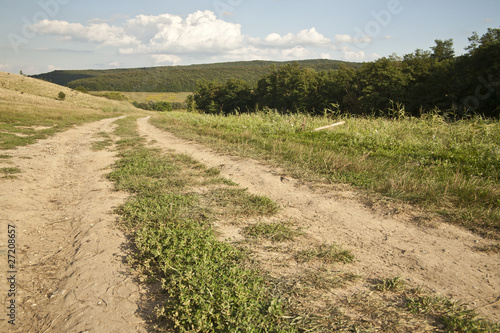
[61, 96]
[154, 106]
[326, 253]
[450, 315]
[396, 284]
[276, 232]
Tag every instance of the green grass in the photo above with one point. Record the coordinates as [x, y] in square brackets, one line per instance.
[31, 110]
[450, 315]
[205, 288]
[276, 232]
[448, 168]
[328, 254]
[395, 284]
[207, 285]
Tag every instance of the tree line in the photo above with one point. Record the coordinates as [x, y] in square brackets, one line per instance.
[171, 78]
[416, 83]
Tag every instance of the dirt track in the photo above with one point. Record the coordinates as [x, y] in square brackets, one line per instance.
[71, 275]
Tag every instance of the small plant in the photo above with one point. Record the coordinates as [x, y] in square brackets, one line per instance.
[9, 171]
[276, 232]
[329, 254]
[61, 96]
[395, 284]
[455, 317]
[489, 248]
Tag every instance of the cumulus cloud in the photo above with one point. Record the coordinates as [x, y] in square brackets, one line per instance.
[170, 39]
[166, 58]
[101, 33]
[306, 37]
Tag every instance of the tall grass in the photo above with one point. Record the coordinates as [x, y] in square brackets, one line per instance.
[451, 168]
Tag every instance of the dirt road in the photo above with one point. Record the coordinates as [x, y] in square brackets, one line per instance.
[71, 275]
[70, 271]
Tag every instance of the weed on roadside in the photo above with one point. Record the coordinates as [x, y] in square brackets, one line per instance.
[275, 232]
[329, 254]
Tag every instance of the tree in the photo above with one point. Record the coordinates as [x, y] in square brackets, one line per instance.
[381, 82]
[443, 50]
[288, 88]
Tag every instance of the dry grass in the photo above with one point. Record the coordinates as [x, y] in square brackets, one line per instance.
[31, 110]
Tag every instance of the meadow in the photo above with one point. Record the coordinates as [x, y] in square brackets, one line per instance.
[449, 169]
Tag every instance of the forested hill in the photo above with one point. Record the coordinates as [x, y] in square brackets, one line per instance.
[174, 78]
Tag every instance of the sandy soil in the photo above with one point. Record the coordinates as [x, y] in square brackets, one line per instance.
[71, 275]
[441, 259]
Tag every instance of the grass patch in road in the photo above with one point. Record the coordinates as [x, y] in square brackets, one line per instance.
[448, 168]
[396, 284]
[205, 289]
[10, 171]
[328, 254]
[275, 232]
[450, 316]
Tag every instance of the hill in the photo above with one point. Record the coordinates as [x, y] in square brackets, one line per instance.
[173, 78]
[32, 109]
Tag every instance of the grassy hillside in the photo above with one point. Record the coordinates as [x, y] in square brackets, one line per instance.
[32, 109]
[172, 78]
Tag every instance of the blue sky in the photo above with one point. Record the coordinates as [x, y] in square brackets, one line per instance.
[42, 35]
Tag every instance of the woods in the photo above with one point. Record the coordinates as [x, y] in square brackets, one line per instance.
[421, 82]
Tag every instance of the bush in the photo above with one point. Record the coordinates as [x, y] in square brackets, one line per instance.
[61, 96]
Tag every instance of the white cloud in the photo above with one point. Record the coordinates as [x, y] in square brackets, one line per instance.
[353, 55]
[298, 52]
[166, 58]
[199, 32]
[114, 64]
[344, 39]
[101, 33]
[172, 39]
[306, 37]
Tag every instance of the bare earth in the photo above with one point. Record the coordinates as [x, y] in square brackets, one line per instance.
[71, 275]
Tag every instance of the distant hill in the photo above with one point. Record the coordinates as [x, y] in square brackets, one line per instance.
[174, 78]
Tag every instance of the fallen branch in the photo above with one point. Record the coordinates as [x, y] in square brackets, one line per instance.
[329, 126]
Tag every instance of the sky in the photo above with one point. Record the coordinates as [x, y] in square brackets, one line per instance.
[39, 36]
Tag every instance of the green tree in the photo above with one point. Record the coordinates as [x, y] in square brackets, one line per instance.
[288, 88]
[381, 82]
[443, 50]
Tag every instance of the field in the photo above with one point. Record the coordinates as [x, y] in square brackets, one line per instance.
[274, 228]
[450, 169]
[145, 97]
